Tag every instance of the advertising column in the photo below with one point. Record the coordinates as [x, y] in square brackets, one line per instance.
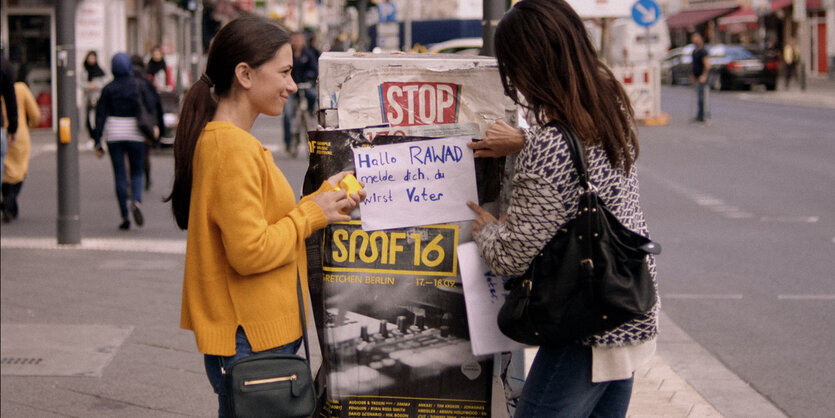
[386, 287]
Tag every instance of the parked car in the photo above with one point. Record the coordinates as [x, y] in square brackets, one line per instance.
[677, 65]
[466, 46]
[734, 66]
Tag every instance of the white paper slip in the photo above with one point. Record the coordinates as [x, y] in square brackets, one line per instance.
[416, 183]
[484, 295]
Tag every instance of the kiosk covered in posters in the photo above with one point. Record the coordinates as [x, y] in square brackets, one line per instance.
[386, 287]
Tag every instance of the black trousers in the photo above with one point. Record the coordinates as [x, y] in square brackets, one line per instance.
[10, 192]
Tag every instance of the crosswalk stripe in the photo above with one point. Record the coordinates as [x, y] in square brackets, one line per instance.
[161, 246]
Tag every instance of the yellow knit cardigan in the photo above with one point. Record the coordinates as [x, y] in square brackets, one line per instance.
[245, 244]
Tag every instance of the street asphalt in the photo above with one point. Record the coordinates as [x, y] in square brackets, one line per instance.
[91, 330]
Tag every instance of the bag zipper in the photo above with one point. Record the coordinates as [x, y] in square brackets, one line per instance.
[292, 377]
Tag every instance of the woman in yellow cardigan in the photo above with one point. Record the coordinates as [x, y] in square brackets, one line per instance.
[246, 231]
[16, 165]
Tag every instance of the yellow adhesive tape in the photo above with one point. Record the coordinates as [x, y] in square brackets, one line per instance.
[350, 185]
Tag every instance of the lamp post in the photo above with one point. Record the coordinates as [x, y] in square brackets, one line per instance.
[69, 203]
[493, 11]
[799, 16]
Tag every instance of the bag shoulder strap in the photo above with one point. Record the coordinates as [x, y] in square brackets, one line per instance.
[302, 317]
[575, 149]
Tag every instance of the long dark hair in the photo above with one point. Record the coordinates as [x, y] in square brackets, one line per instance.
[544, 53]
[252, 40]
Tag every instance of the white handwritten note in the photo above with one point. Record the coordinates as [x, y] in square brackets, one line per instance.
[484, 295]
[416, 183]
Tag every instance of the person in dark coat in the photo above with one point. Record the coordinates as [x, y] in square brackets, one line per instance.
[158, 69]
[117, 125]
[92, 88]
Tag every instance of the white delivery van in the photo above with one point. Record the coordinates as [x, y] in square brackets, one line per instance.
[630, 43]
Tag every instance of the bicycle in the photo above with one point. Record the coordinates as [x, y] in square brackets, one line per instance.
[302, 120]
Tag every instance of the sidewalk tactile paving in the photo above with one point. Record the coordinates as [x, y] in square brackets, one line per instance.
[659, 392]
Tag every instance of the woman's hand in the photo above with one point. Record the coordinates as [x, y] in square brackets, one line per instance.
[500, 140]
[483, 217]
[336, 205]
[336, 178]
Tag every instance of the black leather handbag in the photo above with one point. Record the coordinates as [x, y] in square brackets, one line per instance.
[146, 119]
[273, 385]
[590, 278]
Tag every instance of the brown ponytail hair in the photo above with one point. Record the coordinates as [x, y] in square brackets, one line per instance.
[248, 39]
[544, 53]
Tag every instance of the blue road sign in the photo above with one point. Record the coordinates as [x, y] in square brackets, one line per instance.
[646, 12]
[388, 12]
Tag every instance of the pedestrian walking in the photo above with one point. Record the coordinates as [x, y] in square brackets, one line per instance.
[701, 73]
[791, 56]
[564, 80]
[143, 78]
[16, 165]
[8, 119]
[305, 70]
[95, 80]
[158, 70]
[246, 233]
[117, 125]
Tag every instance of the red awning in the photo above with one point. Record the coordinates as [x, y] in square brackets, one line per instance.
[744, 15]
[780, 4]
[814, 4]
[695, 17]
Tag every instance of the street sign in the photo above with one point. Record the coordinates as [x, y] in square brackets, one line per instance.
[387, 11]
[646, 12]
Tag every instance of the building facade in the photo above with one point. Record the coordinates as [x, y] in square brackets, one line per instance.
[28, 38]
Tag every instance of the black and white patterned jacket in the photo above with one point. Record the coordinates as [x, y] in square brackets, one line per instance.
[545, 195]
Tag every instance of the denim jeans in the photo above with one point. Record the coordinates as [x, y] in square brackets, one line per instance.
[135, 151]
[559, 385]
[216, 364]
[702, 93]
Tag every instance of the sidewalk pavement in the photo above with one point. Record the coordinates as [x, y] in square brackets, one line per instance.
[108, 344]
[92, 330]
[819, 92]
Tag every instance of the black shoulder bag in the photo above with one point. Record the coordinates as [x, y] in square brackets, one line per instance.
[146, 119]
[273, 385]
[590, 278]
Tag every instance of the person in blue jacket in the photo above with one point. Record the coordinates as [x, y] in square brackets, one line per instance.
[118, 127]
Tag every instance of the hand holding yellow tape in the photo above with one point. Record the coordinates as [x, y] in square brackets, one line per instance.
[350, 185]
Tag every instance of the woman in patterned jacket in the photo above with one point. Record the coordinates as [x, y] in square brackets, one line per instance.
[549, 66]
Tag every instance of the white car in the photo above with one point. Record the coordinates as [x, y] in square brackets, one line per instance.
[465, 46]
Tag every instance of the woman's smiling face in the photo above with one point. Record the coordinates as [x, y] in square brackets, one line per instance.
[273, 84]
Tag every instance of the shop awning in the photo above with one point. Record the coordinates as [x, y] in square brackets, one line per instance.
[780, 4]
[695, 17]
[744, 15]
[814, 5]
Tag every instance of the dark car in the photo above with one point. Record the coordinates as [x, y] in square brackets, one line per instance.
[734, 66]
